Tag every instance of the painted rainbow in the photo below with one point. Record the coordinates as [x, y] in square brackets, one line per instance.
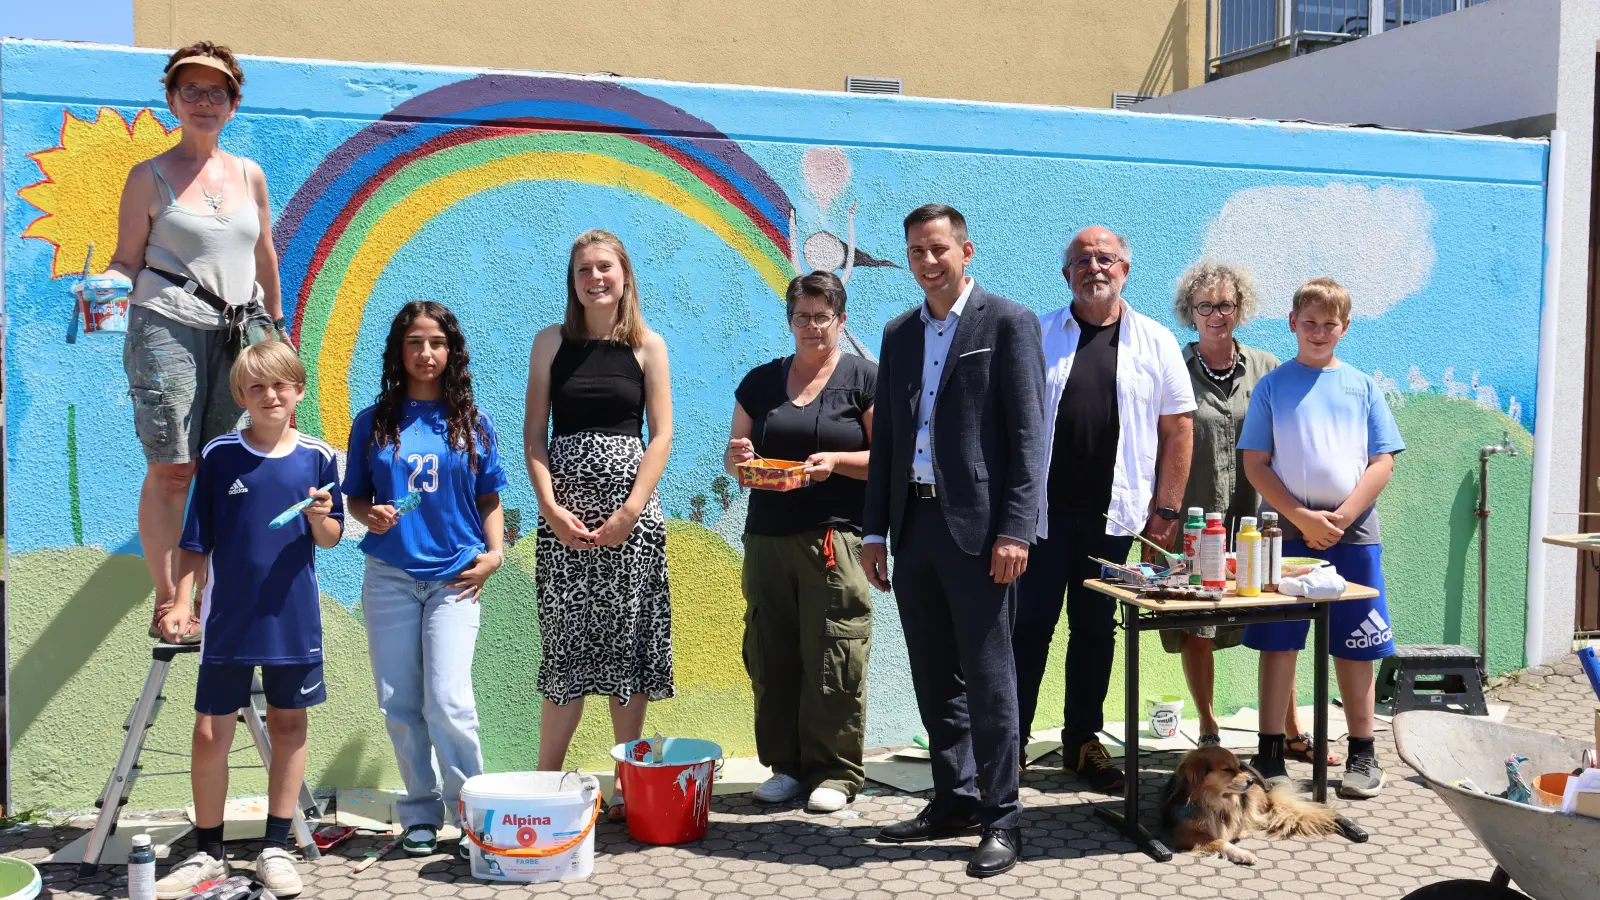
[379, 188]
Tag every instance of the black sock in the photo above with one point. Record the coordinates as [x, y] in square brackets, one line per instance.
[1363, 747]
[278, 831]
[1269, 755]
[211, 842]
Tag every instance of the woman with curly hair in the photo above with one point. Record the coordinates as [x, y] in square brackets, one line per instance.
[605, 613]
[194, 241]
[1214, 299]
[424, 476]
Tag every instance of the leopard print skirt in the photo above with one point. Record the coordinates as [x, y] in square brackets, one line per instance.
[605, 615]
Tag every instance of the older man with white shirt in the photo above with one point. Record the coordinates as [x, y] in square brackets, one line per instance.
[1119, 424]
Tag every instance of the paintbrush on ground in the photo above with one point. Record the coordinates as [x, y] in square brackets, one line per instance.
[375, 855]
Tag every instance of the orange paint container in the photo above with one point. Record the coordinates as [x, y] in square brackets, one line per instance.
[773, 475]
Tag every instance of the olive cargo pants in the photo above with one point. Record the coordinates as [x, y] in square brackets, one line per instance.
[807, 637]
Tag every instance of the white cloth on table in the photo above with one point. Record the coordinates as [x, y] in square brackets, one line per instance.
[1321, 583]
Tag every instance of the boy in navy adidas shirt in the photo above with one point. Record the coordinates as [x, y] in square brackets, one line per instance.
[261, 605]
[1319, 444]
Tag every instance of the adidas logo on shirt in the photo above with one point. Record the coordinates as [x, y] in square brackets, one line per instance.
[1374, 631]
[238, 488]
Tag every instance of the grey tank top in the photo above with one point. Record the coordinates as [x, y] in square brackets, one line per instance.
[217, 251]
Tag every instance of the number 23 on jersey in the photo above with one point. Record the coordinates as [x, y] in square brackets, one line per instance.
[424, 472]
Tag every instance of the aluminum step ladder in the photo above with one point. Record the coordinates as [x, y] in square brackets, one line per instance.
[141, 719]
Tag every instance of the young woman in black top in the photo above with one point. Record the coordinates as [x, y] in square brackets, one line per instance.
[605, 614]
[808, 621]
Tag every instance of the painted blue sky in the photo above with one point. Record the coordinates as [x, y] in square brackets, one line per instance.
[105, 21]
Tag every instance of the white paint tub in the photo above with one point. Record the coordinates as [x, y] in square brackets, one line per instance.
[531, 826]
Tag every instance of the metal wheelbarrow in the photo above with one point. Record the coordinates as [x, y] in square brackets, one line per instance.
[1551, 856]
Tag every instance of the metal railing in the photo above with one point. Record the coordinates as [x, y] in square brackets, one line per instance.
[1237, 29]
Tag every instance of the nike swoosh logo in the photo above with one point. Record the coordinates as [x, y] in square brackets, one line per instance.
[308, 690]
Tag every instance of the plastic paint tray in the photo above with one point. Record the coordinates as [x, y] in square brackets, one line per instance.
[773, 475]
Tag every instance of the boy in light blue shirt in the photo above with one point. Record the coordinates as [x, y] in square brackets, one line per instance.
[1319, 444]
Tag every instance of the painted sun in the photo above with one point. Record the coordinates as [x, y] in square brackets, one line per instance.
[82, 183]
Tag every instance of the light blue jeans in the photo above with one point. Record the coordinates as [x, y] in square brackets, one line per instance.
[421, 639]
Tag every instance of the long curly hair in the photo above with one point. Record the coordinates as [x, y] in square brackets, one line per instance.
[466, 429]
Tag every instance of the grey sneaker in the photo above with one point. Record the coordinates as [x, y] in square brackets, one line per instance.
[182, 878]
[276, 872]
[1363, 778]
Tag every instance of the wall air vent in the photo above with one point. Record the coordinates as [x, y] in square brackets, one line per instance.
[1119, 100]
[856, 84]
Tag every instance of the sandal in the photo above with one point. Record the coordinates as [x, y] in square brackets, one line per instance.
[616, 808]
[1302, 747]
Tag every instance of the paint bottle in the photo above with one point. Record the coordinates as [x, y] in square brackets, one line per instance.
[142, 869]
[1248, 544]
[1192, 527]
[1214, 553]
[1271, 552]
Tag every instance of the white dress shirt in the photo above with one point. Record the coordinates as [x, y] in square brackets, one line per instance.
[937, 336]
[1152, 381]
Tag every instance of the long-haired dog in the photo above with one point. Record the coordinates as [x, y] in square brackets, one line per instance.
[1213, 799]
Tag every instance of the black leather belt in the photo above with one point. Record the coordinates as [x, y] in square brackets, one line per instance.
[924, 491]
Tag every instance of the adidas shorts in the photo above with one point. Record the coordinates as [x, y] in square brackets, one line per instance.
[224, 688]
[1357, 629]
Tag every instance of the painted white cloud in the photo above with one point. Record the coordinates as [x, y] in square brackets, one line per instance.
[1378, 243]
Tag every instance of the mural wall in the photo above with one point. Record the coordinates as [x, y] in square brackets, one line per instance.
[390, 184]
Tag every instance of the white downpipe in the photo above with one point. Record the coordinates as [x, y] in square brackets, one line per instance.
[1544, 418]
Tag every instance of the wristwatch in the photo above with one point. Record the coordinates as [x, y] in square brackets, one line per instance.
[1171, 515]
[281, 323]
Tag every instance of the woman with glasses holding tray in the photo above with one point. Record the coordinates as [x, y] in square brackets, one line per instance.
[194, 238]
[808, 619]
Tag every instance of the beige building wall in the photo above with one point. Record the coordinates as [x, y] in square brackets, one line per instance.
[1069, 52]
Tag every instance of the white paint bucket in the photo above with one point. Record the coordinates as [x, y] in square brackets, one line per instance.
[1166, 710]
[530, 826]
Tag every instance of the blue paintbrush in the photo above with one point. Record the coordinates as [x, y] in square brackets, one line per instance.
[407, 503]
[288, 515]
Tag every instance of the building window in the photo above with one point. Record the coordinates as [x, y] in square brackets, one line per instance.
[859, 84]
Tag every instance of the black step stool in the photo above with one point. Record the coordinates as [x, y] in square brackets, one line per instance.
[1431, 676]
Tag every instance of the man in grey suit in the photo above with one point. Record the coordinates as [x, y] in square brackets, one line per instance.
[957, 450]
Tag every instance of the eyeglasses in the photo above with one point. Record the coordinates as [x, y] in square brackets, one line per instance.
[1206, 307]
[821, 320]
[191, 93]
[1103, 260]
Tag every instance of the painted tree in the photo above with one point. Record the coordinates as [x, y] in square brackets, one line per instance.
[722, 486]
[697, 508]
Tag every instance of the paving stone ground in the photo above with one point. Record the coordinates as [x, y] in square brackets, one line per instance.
[754, 851]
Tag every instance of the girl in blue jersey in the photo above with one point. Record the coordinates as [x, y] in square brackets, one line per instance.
[426, 438]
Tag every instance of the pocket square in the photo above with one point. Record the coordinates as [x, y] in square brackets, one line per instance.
[971, 352]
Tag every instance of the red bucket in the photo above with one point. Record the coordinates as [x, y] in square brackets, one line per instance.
[668, 801]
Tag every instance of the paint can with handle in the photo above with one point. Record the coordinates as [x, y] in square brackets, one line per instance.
[103, 303]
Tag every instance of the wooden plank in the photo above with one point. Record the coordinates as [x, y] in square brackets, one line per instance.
[1590, 541]
[1230, 599]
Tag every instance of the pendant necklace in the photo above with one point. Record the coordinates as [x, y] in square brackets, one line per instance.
[215, 200]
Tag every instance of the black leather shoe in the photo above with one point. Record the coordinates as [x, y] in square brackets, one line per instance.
[923, 828]
[997, 852]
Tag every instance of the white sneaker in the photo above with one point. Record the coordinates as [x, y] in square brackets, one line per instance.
[182, 878]
[276, 872]
[778, 789]
[827, 800]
